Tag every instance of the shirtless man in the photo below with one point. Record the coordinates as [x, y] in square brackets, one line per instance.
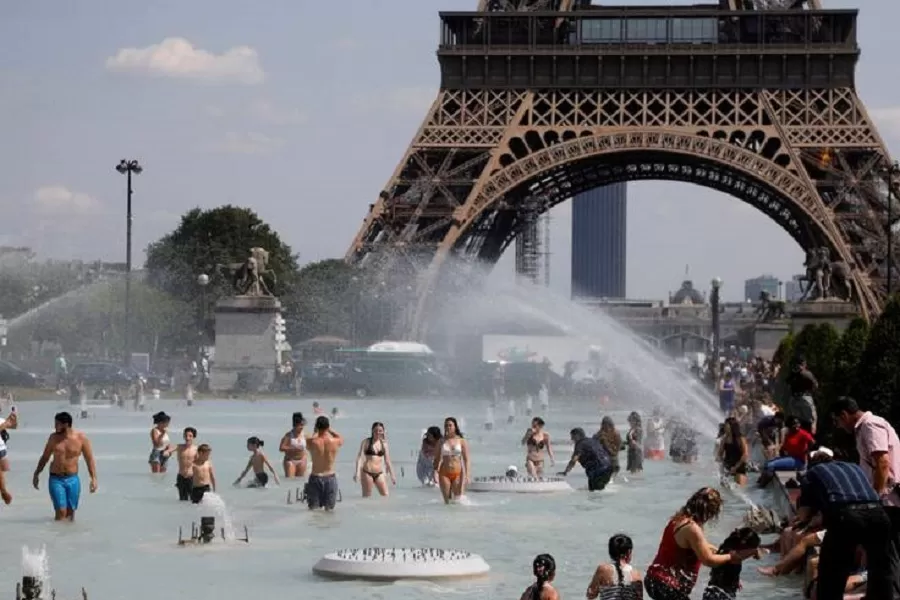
[65, 446]
[203, 474]
[186, 454]
[322, 487]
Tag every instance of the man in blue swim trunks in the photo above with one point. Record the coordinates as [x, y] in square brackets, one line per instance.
[64, 447]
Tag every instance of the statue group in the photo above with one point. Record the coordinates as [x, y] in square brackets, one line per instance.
[253, 277]
[826, 279]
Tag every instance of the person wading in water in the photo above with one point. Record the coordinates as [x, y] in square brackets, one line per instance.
[65, 446]
[322, 486]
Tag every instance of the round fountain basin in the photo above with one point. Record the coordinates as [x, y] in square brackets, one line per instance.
[519, 485]
[391, 564]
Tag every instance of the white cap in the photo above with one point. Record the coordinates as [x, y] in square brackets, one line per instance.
[744, 372]
[512, 468]
[821, 451]
[727, 369]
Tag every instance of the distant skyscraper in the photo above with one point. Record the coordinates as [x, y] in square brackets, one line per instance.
[599, 219]
[763, 283]
[793, 289]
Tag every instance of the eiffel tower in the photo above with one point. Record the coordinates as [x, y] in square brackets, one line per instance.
[543, 99]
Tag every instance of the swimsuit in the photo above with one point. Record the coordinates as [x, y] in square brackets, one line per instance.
[156, 455]
[370, 451]
[537, 447]
[262, 480]
[198, 491]
[65, 490]
[451, 449]
[298, 444]
[321, 491]
[673, 573]
[184, 485]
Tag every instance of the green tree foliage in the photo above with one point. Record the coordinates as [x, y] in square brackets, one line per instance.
[848, 359]
[879, 373]
[326, 301]
[91, 321]
[205, 242]
[783, 357]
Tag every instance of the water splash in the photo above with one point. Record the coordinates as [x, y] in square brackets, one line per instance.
[223, 515]
[72, 296]
[36, 564]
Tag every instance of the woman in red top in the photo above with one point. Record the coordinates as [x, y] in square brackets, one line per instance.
[794, 448]
[683, 549]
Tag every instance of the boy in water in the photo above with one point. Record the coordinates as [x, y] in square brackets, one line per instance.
[186, 454]
[258, 462]
[202, 474]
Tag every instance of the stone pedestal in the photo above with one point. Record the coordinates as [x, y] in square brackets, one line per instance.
[246, 354]
[836, 312]
[763, 338]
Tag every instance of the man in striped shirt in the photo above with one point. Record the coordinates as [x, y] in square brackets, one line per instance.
[853, 516]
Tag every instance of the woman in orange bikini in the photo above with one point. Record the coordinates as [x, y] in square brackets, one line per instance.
[373, 461]
[452, 463]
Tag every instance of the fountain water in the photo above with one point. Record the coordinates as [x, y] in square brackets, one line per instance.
[214, 501]
[650, 375]
[35, 572]
[72, 296]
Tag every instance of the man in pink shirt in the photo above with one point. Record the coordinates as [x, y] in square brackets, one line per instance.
[879, 457]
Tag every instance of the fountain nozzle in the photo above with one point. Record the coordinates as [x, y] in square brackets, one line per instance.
[207, 529]
[29, 589]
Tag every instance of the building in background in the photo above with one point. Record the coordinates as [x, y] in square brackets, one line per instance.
[763, 283]
[599, 221]
[793, 289]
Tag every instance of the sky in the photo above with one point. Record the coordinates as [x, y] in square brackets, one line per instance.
[301, 110]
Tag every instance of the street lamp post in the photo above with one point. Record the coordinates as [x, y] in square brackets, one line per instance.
[127, 168]
[202, 281]
[714, 307]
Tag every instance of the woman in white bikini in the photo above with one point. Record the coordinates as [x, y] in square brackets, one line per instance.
[159, 438]
[293, 444]
[452, 463]
[536, 440]
[373, 461]
[617, 580]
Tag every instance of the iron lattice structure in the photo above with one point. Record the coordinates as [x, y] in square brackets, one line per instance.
[543, 99]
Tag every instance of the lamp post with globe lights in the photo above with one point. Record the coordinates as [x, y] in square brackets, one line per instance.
[127, 168]
[714, 301]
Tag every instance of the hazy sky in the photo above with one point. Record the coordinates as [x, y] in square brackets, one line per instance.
[300, 110]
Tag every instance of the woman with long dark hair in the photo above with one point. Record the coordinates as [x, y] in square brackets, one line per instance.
[452, 463]
[374, 461]
[431, 441]
[611, 440]
[684, 548]
[617, 580]
[544, 569]
[734, 452]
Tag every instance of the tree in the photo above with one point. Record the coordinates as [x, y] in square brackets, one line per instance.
[848, 359]
[92, 322]
[326, 301]
[879, 373]
[207, 240]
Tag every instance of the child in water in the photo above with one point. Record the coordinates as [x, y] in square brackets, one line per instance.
[258, 462]
[186, 453]
[203, 477]
[544, 569]
[725, 580]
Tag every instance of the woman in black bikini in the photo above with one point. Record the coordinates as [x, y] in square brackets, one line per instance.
[373, 461]
[734, 454]
[536, 440]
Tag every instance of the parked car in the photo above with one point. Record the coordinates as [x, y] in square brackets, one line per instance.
[12, 375]
[104, 373]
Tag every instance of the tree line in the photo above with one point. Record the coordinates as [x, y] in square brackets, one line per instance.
[863, 362]
[171, 311]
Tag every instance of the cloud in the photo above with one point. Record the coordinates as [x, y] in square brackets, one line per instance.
[887, 120]
[59, 200]
[248, 143]
[178, 58]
